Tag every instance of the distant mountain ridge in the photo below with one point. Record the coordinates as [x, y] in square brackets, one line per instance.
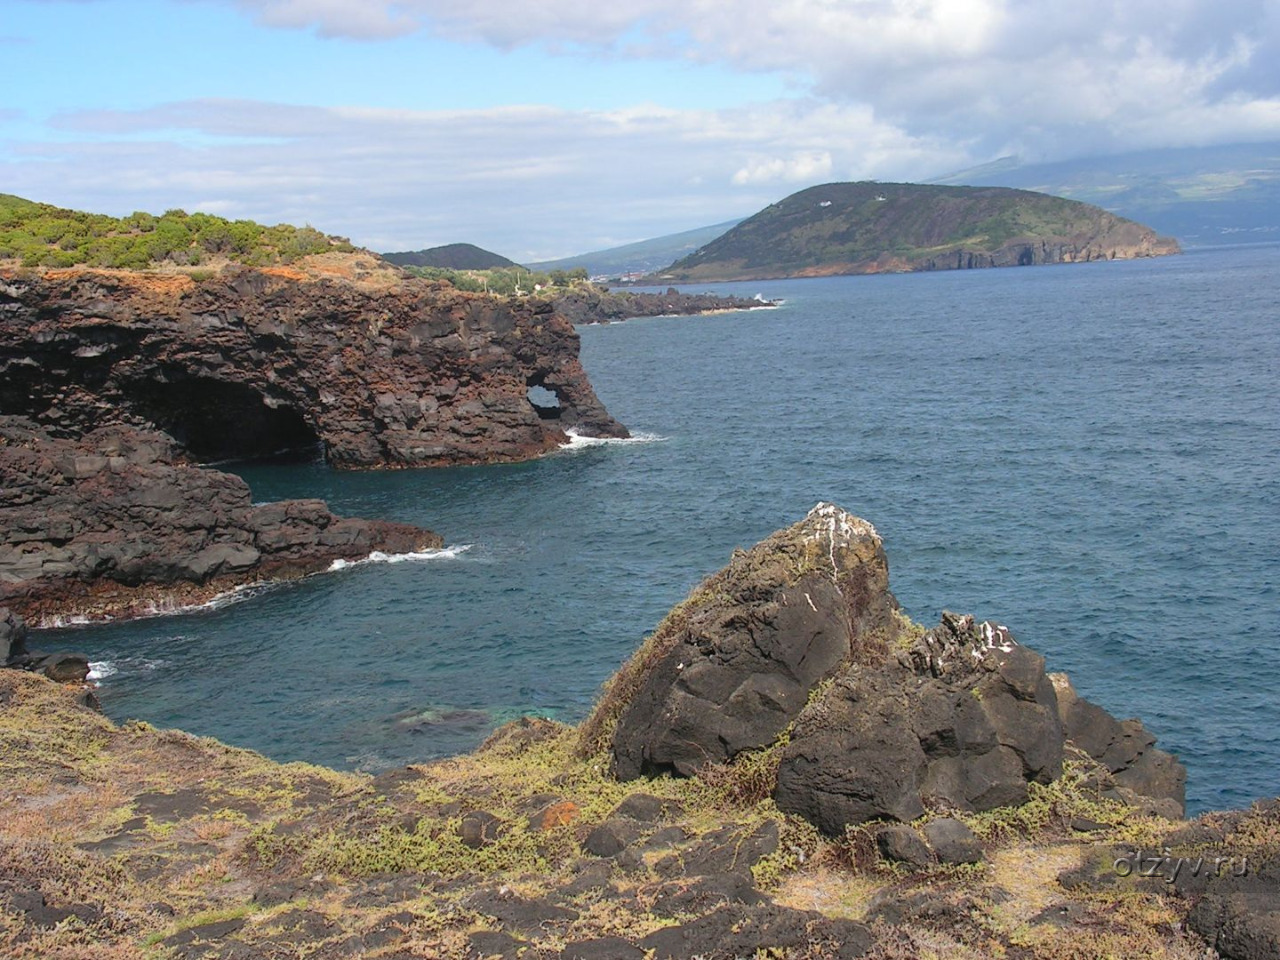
[451, 256]
[644, 256]
[871, 227]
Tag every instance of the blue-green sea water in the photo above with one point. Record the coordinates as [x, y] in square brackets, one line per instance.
[1089, 454]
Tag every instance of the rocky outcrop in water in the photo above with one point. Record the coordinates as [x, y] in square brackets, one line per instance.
[882, 720]
[591, 305]
[115, 524]
[252, 361]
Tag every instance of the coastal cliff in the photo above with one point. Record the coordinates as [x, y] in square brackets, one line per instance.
[115, 384]
[250, 361]
[725, 799]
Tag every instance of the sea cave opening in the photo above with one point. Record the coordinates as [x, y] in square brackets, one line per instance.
[219, 420]
[544, 402]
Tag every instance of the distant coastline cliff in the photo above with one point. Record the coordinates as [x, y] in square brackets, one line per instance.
[855, 228]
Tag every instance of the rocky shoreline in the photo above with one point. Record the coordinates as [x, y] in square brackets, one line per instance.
[787, 767]
[115, 524]
[116, 385]
[591, 305]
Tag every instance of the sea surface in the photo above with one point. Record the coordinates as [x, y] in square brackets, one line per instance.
[1089, 454]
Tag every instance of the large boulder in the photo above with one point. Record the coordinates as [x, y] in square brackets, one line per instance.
[882, 720]
[731, 667]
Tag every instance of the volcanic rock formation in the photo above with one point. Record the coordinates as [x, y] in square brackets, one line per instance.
[882, 720]
[253, 361]
[114, 524]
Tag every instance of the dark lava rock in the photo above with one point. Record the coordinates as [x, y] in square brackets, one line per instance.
[899, 843]
[590, 877]
[256, 360]
[612, 836]
[701, 894]
[13, 635]
[735, 664]
[964, 717]
[801, 633]
[602, 948]
[952, 841]
[519, 914]
[479, 829]
[116, 524]
[589, 305]
[39, 912]
[64, 667]
[1240, 916]
[730, 849]
[204, 932]
[1143, 775]
[740, 931]
[926, 907]
[487, 944]
[647, 808]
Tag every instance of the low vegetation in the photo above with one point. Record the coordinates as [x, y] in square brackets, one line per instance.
[505, 281]
[42, 235]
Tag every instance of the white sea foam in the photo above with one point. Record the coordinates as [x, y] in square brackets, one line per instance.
[101, 669]
[58, 622]
[445, 553]
[578, 442]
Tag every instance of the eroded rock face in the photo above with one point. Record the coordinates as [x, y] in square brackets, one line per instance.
[960, 717]
[736, 663]
[248, 363]
[964, 718]
[114, 524]
[1142, 774]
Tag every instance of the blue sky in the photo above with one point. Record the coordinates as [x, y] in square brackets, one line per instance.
[544, 129]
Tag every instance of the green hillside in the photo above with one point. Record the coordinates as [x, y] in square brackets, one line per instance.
[41, 235]
[451, 256]
[842, 228]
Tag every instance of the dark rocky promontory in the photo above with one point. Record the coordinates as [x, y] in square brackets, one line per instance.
[587, 304]
[247, 362]
[115, 524]
[114, 385]
[883, 720]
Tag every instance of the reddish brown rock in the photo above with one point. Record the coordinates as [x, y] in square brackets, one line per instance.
[253, 361]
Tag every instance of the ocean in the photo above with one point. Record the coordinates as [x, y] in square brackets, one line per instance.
[1089, 454]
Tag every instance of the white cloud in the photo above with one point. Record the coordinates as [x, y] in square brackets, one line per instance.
[529, 182]
[797, 168]
[1052, 79]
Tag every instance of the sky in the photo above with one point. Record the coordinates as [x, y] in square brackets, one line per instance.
[550, 128]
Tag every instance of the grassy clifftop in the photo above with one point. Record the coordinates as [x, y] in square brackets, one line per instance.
[42, 235]
[842, 228]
